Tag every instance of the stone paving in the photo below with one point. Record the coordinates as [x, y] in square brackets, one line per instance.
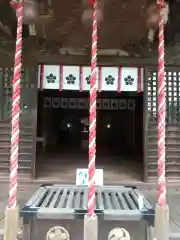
[26, 191]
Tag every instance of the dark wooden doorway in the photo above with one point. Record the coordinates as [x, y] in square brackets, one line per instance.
[119, 135]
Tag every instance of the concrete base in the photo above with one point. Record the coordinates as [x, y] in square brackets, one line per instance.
[162, 222]
[90, 228]
[150, 233]
[11, 223]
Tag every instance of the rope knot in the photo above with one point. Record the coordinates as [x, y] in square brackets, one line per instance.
[160, 4]
[91, 2]
[16, 4]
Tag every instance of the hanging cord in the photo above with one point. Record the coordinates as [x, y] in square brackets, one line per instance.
[92, 115]
[18, 6]
[161, 111]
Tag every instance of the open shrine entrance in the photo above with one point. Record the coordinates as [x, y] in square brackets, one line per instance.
[62, 123]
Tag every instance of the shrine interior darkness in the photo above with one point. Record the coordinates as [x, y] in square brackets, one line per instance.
[119, 130]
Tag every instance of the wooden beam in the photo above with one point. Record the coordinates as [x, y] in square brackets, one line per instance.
[32, 60]
[102, 60]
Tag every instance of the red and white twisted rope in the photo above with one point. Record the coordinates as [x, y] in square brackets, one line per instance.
[92, 121]
[16, 107]
[161, 113]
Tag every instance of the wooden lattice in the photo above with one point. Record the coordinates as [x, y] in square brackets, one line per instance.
[6, 93]
[172, 80]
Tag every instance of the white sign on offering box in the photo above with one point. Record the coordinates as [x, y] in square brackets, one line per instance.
[82, 177]
[85, 78]
[51, 77]
[71, 78]
[129, 79]
[109, 78]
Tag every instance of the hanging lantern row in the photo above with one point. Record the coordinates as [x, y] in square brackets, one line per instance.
[59, 77]
[82, 103]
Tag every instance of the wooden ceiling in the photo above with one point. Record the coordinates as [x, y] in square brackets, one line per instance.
[60, 25]
[59, 29]
[123, 23]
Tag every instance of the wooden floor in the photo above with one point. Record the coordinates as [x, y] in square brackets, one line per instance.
[61, 168]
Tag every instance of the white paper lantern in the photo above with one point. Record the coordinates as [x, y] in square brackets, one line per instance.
[30, 13]
[87, 16]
